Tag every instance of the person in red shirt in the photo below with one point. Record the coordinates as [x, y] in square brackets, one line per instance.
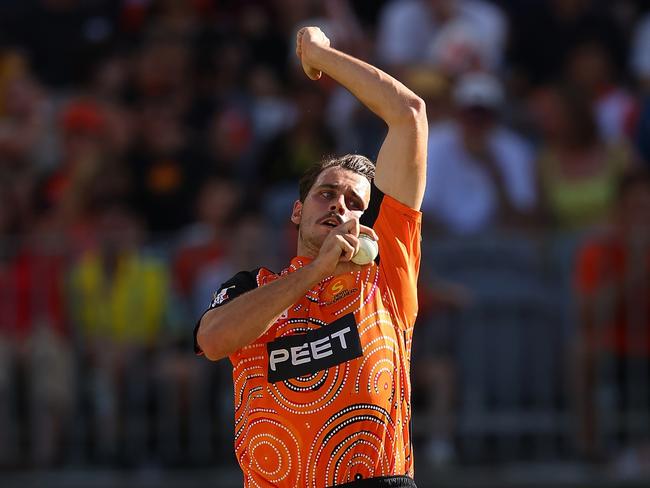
[612, 281]
[321, 350]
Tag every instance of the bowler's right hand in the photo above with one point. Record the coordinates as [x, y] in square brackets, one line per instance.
[335, 254]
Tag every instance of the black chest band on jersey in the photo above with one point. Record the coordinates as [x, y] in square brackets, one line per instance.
[302, 354]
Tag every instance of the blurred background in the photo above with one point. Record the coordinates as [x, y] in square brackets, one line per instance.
[149, 149]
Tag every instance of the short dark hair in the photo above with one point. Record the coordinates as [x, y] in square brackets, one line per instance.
[353, 162]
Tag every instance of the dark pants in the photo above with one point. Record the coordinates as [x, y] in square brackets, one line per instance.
[382, 482]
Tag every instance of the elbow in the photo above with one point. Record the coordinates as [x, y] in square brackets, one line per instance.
[413, 112]
[205, 338]
[211, 354]
[419, 112]
[417, 107]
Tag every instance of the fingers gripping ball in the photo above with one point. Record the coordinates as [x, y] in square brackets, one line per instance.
[368, 250]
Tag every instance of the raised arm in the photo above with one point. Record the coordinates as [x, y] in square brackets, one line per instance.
[401, 164]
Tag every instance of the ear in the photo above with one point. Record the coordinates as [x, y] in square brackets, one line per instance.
[296, 214]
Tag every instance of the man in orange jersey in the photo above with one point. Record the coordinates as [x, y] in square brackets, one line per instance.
[321, 351]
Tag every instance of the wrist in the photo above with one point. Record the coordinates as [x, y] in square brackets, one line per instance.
[312, 55]
[315, 272]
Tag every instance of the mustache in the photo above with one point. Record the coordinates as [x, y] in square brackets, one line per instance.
[333, 216]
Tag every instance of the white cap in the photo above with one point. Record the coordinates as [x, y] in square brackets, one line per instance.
[479, 90]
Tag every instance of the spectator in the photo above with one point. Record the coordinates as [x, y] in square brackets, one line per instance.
[272, 111]
[61, 37]
[579, 172]
[261, 27]
[436, 365]
[640, 53]
[26, 140]
[293, 150]
[591, 70]
[248, 240]
[455, 35]
[24, 126]
[166, 168]
[545, 32]
[231, 145]
[161, 70]
[640, 66]
[119, 297]
[612, 280]
[480, 174]
[435, 89]
[35, 336]
[336, 18]
[120, 292]
[110, 78]
[87, 173]
[205, 243]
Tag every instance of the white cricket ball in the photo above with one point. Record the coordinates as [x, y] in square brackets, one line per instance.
[368, 250]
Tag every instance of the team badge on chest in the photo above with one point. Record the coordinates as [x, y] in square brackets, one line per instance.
[338, 288]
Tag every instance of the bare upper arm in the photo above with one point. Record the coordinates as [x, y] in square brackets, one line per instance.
[401, 163]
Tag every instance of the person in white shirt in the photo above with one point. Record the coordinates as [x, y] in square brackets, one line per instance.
[640, 51]
[480, 174]
[453, 35]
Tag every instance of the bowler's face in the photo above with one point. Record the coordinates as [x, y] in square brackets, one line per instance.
[337, 196]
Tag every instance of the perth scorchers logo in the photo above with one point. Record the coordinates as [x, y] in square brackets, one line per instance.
[339, 288]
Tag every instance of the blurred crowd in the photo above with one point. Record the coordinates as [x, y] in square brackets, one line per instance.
[149, 149]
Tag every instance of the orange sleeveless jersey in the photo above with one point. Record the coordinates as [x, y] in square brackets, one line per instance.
[323, 397]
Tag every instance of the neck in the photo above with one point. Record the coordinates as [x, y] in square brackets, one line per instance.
[305, 248]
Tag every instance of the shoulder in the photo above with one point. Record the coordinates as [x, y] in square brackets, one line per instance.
[246, 276]
[385, 207]
[239, 284]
